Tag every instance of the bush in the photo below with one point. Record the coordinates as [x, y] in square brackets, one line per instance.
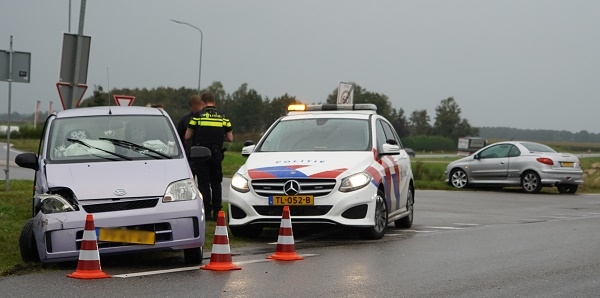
[430, 143]
[27, 132]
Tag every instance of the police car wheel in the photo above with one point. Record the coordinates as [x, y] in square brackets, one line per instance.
[193, 256]
[27, 245]
[381, 218]
[407, 221]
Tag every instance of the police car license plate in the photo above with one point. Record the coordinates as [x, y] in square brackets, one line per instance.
[291, 200]
[126, 236]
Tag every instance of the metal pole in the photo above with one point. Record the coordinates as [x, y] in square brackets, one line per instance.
[201, 44]
[10, 62]
[69, 16]
[78, 53]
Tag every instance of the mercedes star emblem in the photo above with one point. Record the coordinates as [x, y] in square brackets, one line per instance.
[291, 188]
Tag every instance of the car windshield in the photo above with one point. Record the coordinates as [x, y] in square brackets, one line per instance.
[102, 138]
[535, 147]
[318, 134]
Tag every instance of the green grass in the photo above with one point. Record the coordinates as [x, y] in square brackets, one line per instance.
[232, 162]
[25, 145]
[15, 209]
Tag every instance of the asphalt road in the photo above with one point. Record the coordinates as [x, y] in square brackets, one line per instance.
[463, 244]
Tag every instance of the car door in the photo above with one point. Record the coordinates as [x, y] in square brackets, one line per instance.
[490, 164]
[395, 170]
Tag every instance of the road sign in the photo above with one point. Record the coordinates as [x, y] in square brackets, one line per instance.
[21, 66]
[124, 100]
[345, 93]
[67, 92]
[67, 59]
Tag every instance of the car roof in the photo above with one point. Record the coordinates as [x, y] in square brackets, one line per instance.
[105, 111]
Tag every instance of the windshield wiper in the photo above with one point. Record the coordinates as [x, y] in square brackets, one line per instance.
[135, 146]
[80, 142]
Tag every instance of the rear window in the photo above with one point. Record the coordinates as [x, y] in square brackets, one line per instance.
[535, 147]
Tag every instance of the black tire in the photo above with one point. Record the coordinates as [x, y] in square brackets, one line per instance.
[407, 221]
[252, 231]
[531, 182]
[459, 178]
[381, 219]
[567, 188]
[27, 245]
[193, 256]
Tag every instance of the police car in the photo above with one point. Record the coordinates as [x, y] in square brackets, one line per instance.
[332, 164]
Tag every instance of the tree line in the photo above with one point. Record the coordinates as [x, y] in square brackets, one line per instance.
[539, 135]
[252, 112]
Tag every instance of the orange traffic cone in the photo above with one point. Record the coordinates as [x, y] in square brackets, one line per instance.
[220, 256]
[88, 266]
[286, 250]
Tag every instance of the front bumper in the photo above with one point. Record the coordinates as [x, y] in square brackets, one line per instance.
[178, 225]
[554, 176]
[355, 209]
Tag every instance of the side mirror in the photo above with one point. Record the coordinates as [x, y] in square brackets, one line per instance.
[247, 150]
[199, 153]
[248, 143]
[389, 149]
[391, 142]
[476, 156]
[27, 160]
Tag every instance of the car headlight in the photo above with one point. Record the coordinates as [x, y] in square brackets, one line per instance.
[184, 190]
[55, 204]
[355, 182]
[239, 183]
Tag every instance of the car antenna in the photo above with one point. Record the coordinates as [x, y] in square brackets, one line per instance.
[108, 86]
[518, 132]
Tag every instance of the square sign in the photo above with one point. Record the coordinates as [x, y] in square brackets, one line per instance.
[345, 93]
[21, 66]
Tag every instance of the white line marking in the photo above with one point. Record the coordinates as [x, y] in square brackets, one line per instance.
[445, 228]
[466, 224]
[415, 231]
[138, 274]
[388, 235]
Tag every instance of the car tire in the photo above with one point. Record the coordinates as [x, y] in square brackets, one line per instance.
[531, 182]
[459, 178]
[381, 219]
[193, 256]
[27, 245]
[407, 221]
[567, 188]
[252, 231]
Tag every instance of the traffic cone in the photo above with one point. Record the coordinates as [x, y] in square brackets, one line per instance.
[88, 266]
[220, 256]
[286, 250]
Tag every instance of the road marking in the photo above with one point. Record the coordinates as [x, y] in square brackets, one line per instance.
[416, 231]
[466, 224]
[444, 228]
[388, 235]
[155, 272]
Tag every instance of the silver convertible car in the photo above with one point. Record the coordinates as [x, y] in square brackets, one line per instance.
[526, 164]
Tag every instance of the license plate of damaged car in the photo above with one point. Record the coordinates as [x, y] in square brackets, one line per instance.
[297, 200]
[126, 236]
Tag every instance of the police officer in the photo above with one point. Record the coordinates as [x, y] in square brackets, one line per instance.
[210, 129]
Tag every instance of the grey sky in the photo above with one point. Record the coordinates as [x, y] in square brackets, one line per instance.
[524, 64]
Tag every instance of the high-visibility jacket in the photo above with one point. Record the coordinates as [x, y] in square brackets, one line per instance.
[209, 127]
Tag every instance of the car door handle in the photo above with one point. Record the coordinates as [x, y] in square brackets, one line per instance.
[501, 162]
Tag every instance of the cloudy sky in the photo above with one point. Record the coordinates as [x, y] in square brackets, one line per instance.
[525, 64]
